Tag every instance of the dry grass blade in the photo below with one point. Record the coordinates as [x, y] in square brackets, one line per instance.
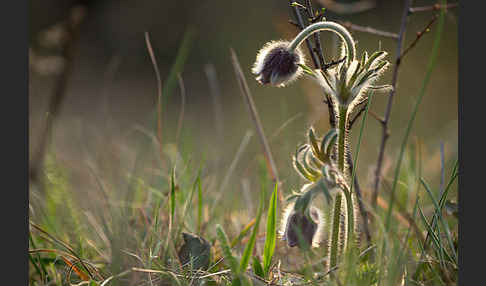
[183, 105]
[245, 92]
[159, 90]
[63, 244]
[241, 149]
[216, 97]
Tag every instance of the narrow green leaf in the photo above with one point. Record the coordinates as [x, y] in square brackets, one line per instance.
[245, 259]
[313, 143]
[257, 267]
[172, 195]
[307, 70]
[328, 141]
[225, 247]
[430, 67]
[438, 214]
[271, 236]
[199, 204]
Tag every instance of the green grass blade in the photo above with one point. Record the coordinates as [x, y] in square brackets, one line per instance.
[358, 145]
[257, 267]
[172, 196]
[271, 237]
[225, 247]
[199, 205]
[430, 67]
[245, 259]
[243, 233]
[438, 214]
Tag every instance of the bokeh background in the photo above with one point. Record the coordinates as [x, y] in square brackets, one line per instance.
[112, 89]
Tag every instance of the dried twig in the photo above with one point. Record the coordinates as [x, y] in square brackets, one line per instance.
[317, 38]
[385, 131]
[435, 7]
[300, 23]
[245, 92]
[369, 30]
[419, 35]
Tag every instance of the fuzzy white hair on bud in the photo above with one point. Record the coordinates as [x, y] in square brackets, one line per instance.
[277, 65]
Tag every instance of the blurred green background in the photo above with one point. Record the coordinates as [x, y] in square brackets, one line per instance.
[112, 89]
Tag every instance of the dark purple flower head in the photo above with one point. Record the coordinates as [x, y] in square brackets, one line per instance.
[307, 226]
[276, 65]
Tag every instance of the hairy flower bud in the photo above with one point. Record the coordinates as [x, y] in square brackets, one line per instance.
[303, 229]
[277, 65]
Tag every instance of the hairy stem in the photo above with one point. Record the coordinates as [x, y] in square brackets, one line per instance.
[342, 137]
[327, 26]
[338, 200]
[335, 232]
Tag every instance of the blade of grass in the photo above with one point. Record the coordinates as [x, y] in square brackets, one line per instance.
[226, 249]
[430, 67]
[241, 148]
[199, 205]
[353, 175]
[63, 244]
[438, 213]
[243, 233]
[188, 203]
[245, 258]
[163, 93]
[271, 237]
[257, 267]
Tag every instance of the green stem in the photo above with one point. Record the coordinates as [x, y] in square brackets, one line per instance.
[327, 26]
[350, 217]
[335, 232]
[341, 136]
[337, 203]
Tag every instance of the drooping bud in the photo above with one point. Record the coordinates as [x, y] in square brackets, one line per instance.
[277, 65]
[303, 229]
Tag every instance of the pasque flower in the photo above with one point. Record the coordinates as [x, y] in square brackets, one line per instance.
[279, 62]
[277, 65]
[302, 229]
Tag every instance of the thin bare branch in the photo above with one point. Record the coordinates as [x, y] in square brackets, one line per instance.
[369, 30]
[435, 7]
[301, 25]
[385, 131]
[419, 35]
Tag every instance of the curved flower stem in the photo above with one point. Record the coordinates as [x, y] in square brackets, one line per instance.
[327, 26]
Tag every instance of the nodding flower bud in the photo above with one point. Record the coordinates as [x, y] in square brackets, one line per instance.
[277, 65]
[303, 229]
